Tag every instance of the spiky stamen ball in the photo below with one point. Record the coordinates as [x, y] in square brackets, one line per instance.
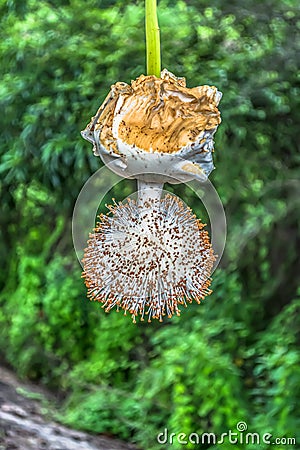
[148, 259]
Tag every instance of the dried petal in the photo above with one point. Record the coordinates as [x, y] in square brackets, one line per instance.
[157, 116]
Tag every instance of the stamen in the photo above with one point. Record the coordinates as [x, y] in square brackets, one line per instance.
[148, 263]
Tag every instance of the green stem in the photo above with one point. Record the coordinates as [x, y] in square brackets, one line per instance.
[152, 39]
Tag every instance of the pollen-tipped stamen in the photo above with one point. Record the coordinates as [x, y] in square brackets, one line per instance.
[148, 257]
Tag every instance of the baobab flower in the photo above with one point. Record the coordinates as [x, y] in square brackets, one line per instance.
[150, 256]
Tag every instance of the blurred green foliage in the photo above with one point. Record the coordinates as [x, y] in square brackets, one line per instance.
[235, 358]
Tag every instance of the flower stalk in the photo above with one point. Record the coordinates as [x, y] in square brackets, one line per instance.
[152, 38]
[149, 191]
[146, 190]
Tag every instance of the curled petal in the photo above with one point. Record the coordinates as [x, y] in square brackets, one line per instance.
[157, 116]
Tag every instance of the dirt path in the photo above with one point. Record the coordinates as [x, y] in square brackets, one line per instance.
[25, 424]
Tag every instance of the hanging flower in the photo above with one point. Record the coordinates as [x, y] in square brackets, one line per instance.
[151, 256]
[148, 259]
